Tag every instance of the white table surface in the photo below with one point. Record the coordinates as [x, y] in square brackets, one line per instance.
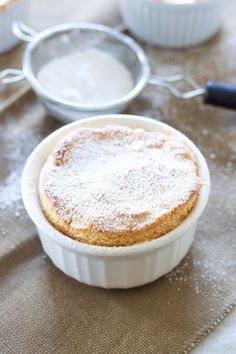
[221, 340]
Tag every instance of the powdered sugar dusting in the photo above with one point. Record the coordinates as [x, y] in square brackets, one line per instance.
[117, 179]
[91, 77]
[17, 140]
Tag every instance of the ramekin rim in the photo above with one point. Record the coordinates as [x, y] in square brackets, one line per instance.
[30, 196]
[180, 7]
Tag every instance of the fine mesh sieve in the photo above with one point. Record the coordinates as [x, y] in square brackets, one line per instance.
[57, 41]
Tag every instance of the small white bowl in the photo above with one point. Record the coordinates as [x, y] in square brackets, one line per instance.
[111, 267]
[10, 11]
[173, 25]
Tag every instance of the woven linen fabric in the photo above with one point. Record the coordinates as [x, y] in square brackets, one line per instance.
[44, 311]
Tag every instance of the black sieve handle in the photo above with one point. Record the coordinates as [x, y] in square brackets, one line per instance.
[218, 94]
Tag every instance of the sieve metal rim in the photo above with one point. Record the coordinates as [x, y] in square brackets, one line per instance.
[114, 34]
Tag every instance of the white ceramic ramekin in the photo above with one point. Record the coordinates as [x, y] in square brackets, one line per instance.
[10, 11]
[173, 25]
[111, 267]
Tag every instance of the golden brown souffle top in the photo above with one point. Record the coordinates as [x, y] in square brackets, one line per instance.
[118, 186]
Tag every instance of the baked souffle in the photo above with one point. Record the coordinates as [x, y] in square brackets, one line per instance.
[118, 186]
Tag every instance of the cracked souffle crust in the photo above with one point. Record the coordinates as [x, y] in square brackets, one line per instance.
[118, 186]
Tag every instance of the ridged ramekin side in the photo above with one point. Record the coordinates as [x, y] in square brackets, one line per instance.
[14, 11]
[113, 272]
[171, 25]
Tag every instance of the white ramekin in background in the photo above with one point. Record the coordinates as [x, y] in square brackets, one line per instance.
[10, 11]
[111, 267]
[173, 25]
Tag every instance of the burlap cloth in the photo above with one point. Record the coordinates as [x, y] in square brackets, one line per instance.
[44, 311]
